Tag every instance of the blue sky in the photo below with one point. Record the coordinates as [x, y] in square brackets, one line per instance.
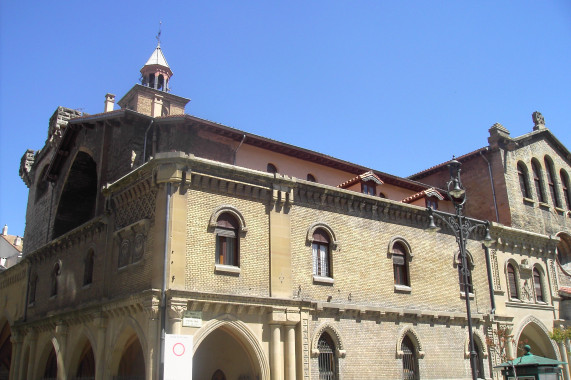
[396, 86]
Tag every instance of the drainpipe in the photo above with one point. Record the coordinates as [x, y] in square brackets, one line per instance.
[490, 280]
[145, 142]
[492, 183]
[238, 147]
[164, 285]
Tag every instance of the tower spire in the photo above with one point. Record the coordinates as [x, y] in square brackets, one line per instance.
[156, 73]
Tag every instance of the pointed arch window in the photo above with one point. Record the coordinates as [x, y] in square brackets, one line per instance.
[321, 253]
[523, 180]
[512, 283]
[565, 186]
[409, 360]
[33, 287]
[327, 358]
[88, 268]
[538, 286]
[227, 243]
[480, 374]
[538, 181]
[551, 182]
[56, 271]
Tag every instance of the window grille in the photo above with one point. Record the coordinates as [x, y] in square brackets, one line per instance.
[327, 359]
[409, 360]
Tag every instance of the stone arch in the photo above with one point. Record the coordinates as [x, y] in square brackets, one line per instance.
[242, 333]
[403, 241]
[52, 344]
[480, 338]
[84, 337]
[541, 331]
[128, 330]
[409, 330]
[5, 348]
[469, 257]
[76, 204]
[231, 210]
[334, 334]
[326, 228]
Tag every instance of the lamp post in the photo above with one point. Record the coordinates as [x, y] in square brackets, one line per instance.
[462, 227]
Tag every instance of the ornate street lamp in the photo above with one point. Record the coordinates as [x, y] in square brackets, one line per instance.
[462, 227]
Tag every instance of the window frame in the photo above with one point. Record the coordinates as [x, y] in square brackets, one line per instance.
[551, 184]
[89, 266]
[227, 231]
[410, 367]
[401, 273]
[321, 254]
[523, 176]
[513, 284]
[369, 188]
[56, 272]
[538, 180]
[538, 286]
[565, 187]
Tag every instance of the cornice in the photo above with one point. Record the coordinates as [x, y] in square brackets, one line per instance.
[525, 242]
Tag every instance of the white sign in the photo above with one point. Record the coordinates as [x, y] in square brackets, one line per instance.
[192, 319]
[178, 357]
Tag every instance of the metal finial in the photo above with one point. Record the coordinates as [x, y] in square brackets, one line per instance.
[159, 34]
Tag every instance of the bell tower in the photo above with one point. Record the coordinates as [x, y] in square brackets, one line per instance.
[152, 97]
[156, 73]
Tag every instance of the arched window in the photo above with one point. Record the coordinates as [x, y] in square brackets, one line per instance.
[311, 177]
[538, 181]
[33, 287]
[88, 268]
[468, 276]
[409, 360]
[523, 181]
[382, 195]
[227, 247]
[321, 253]
[565, 184]
[400, 267]
[327, 358]
[538, 286]
[512, 283]
[271, 168]
[551, 182]
[56, 271]
[218, 375]
[564, 252]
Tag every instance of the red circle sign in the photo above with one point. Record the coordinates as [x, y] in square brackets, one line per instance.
[178, 349]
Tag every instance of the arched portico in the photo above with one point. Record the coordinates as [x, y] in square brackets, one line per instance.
[228, 346]
[533, 332]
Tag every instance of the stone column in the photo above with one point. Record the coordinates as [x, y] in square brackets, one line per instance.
[16, 340]
[277, 361]
[100, 359]
[153, 345]
[290, 358]
[32, 338]
[563, 349]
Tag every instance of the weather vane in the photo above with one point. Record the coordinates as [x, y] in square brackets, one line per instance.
[159, 34]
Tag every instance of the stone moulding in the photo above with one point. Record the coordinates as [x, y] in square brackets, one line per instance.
[409, 330]
[333, 333]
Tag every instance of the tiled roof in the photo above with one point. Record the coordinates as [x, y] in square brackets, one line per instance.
[438, 167]
[11, 239]
[432, 192]
[367, 176]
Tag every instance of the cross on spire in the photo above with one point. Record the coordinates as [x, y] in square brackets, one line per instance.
[159, 34]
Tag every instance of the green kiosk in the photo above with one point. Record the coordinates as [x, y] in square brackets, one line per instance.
[531, 367]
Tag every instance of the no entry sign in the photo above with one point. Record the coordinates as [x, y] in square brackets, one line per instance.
[178, 357]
